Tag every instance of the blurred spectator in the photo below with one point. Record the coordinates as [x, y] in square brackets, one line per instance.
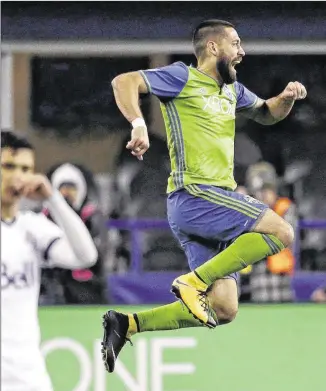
[319, 295]
[78, 286]
[270, 280]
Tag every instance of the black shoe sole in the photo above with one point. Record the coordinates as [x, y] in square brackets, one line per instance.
[104, 351]
[176, 291]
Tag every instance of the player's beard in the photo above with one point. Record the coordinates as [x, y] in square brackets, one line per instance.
[226, 71]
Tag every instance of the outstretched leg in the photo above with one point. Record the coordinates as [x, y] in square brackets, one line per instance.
[118, 327]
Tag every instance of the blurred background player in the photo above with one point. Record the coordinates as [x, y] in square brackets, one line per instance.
[83, 286]
[319, 295]
[27, 241]
[271, 281]
[221, 231]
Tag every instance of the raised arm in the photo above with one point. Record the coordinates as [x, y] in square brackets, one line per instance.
[75, 249]
[166, 83]
[273, 110]
[67, 244]
[126, 89]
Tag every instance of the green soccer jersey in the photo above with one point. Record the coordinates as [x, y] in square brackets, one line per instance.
[199, 118]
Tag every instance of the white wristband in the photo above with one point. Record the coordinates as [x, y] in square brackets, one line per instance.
[138, 122]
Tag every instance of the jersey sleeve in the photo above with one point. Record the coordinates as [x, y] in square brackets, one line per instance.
[46, 233]
[245, 98]
[166, 82]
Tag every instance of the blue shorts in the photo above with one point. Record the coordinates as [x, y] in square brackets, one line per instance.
[206, 219]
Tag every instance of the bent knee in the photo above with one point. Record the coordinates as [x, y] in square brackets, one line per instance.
[275, 225]
[226, 314]
[285, 234]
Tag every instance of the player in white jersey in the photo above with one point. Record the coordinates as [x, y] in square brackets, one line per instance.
[27, 241]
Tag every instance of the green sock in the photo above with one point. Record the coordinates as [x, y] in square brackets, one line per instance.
[168, 317]
[245, 250]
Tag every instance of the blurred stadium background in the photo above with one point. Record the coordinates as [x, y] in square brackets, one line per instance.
[58, 59]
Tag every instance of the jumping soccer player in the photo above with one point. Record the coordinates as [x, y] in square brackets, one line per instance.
[221, 231]
[28, 240]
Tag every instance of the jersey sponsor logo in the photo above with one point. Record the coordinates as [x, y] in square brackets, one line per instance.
[217, 105]
[18, 279]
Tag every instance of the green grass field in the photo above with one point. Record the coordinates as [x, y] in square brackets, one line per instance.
[267, 348]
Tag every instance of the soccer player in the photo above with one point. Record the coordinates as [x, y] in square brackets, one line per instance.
[221, 231]
[28, 240]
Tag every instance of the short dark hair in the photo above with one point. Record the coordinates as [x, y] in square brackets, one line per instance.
[205, 29]
[11, 140]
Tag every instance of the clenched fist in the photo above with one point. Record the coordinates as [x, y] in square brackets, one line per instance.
[139, 142]
[36, 187]
[294, 91]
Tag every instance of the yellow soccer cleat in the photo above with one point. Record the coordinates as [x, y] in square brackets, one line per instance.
[192, 293]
